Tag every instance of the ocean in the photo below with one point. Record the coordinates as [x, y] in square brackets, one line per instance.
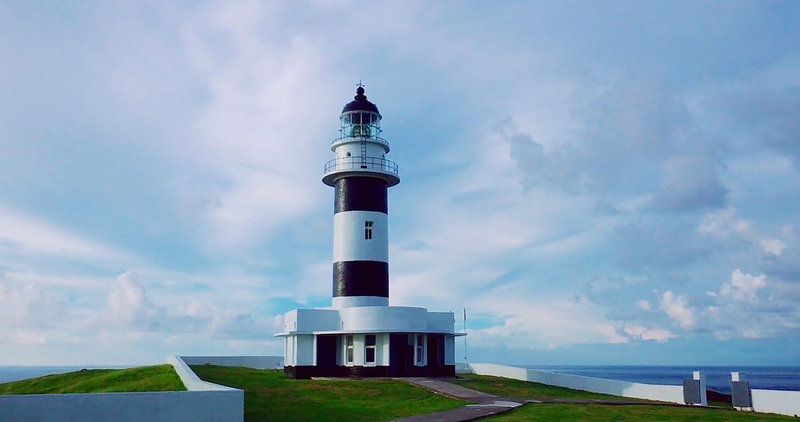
[15, 373]
[718, 378]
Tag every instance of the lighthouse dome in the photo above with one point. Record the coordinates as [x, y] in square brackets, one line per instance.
[360, 103]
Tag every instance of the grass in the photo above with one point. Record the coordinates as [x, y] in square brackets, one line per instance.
[506, 387]
[271, 395]
[596, 412]
[146, 378]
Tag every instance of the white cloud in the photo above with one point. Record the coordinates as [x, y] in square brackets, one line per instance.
[28, 305]
[773, 246]
[643, 304]
[724, 222]
[128, 303]
[643, 333]
[677, 308]
[743, 287]
[543, 324]
[23, 234]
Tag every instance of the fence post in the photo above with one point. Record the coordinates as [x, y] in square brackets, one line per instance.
[741, 398]
[699, 376]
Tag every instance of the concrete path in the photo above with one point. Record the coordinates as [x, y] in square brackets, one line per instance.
[485, 404]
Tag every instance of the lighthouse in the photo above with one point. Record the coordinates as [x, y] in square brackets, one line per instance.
[361, 335]
[360, 175]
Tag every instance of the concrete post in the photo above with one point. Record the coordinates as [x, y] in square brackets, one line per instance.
[741, 398]
[699, 376]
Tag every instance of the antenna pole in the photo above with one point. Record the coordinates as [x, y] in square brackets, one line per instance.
[465, 334]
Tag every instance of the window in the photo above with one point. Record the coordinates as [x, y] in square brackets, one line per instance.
[348, 341]
[369, 348]
[420, 358]
[368, 230]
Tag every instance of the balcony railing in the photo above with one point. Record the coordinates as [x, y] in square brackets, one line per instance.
[361, 163]
[358, 139]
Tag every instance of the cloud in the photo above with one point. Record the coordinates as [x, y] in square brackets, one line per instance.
[743, 287]
[689, 184]
[765, 113]
[545, 325]
[539, 180]
[29, 306]
[773, 246]
[725, 223]
[26, 235]
[128, 302]
[677, 308]
[643, 333]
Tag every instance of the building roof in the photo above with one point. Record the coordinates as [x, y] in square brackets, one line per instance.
[360, 103]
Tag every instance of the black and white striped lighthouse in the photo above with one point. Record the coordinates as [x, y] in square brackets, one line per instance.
[360, 175]
[362, 335]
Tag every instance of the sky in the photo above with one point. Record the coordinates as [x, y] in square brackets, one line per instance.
[594, 182]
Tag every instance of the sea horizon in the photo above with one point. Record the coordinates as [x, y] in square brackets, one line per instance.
[718, 377]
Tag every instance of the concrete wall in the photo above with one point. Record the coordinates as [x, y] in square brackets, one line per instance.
[666, 393]
[775, 401]
[203, 402]
[123, 407]
[305, 349]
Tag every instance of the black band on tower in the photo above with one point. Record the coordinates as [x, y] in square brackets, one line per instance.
[360, 278]
[360, 194]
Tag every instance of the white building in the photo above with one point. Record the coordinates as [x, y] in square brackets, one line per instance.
[362, 335]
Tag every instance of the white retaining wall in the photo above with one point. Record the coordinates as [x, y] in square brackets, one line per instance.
[776, 401]
[666, 393]
[203, 402]
[124, 407]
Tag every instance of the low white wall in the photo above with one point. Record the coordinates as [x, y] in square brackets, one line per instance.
[776, 401]
[204, 401]
[255, 362]
[666, 393]
[124, 407]
[190, 380]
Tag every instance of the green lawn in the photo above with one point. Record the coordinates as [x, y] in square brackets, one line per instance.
[596, 412]
[146, 378]
[271, 395]
[506, 387]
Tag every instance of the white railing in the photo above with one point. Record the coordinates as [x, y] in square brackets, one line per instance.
[361, 163]
[359, 139]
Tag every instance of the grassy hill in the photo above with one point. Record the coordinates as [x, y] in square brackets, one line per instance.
[271, 395]
[146, 378]
[598, 412]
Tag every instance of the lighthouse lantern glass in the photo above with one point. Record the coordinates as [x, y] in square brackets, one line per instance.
[359, 124]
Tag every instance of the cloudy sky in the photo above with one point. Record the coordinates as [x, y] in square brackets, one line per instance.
[595, 182]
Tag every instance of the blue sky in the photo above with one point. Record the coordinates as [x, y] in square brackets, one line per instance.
[595, 182]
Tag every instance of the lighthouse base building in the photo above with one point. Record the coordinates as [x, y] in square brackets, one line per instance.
[369, 341]
[362, 335]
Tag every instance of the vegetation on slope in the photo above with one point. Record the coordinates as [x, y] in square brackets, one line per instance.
[271, 395]
[506, 387]
[597, 412]
[146, 378]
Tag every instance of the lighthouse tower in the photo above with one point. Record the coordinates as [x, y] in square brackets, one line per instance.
[360, 175]
[361, 335]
